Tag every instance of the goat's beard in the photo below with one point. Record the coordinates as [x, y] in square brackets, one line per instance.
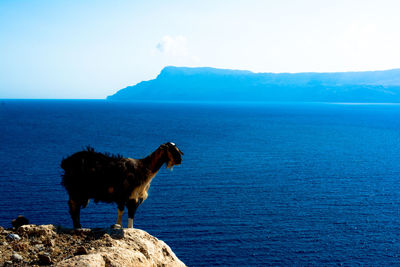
[170, 165]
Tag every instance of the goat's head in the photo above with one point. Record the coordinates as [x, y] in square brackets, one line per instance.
[173, 154]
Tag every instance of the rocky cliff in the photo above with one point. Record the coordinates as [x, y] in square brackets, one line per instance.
[57, 246]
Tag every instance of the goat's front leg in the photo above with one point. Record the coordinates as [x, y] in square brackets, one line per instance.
[121, 207]
[132, 206]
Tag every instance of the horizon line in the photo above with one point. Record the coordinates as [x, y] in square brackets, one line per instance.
[200, 102]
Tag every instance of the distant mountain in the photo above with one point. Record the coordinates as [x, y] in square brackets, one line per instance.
[210, 84]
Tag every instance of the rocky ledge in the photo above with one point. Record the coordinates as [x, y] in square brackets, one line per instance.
[57, 246]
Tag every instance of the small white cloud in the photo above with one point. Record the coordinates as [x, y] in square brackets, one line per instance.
[173, 46]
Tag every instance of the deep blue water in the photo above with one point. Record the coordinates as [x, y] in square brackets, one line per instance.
[260, 184]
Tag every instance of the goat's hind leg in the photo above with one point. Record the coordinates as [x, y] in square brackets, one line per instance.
[74, 211]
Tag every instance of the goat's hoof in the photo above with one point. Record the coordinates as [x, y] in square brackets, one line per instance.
[116, 226]
[82, 230]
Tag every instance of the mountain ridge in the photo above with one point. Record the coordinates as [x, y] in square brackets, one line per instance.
[212, 84]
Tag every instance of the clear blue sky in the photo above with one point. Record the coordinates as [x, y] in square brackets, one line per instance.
[90, 49]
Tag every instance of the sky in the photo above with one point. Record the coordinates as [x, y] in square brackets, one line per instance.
[90, 49]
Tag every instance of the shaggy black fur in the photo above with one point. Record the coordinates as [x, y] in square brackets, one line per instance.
[111, 178]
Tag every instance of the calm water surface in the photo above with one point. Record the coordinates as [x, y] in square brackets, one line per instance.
[260, 184]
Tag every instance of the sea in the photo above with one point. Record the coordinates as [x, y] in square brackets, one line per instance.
[260, 184]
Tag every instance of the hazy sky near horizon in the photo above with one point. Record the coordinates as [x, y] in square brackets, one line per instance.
[91, 49]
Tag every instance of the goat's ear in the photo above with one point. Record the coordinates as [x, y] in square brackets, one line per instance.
[163, 146]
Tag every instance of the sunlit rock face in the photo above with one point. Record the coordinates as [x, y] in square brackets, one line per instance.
[51, 245]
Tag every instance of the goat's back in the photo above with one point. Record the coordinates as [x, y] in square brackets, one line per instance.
[89, 174]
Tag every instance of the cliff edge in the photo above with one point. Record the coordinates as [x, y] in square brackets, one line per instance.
[57, 246]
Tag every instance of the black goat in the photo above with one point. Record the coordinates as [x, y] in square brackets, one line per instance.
[109, 178]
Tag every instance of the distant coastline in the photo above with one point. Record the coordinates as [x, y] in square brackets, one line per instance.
[183, 84]
[5, 101]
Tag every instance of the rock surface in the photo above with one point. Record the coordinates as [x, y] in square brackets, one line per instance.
[57, 246]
